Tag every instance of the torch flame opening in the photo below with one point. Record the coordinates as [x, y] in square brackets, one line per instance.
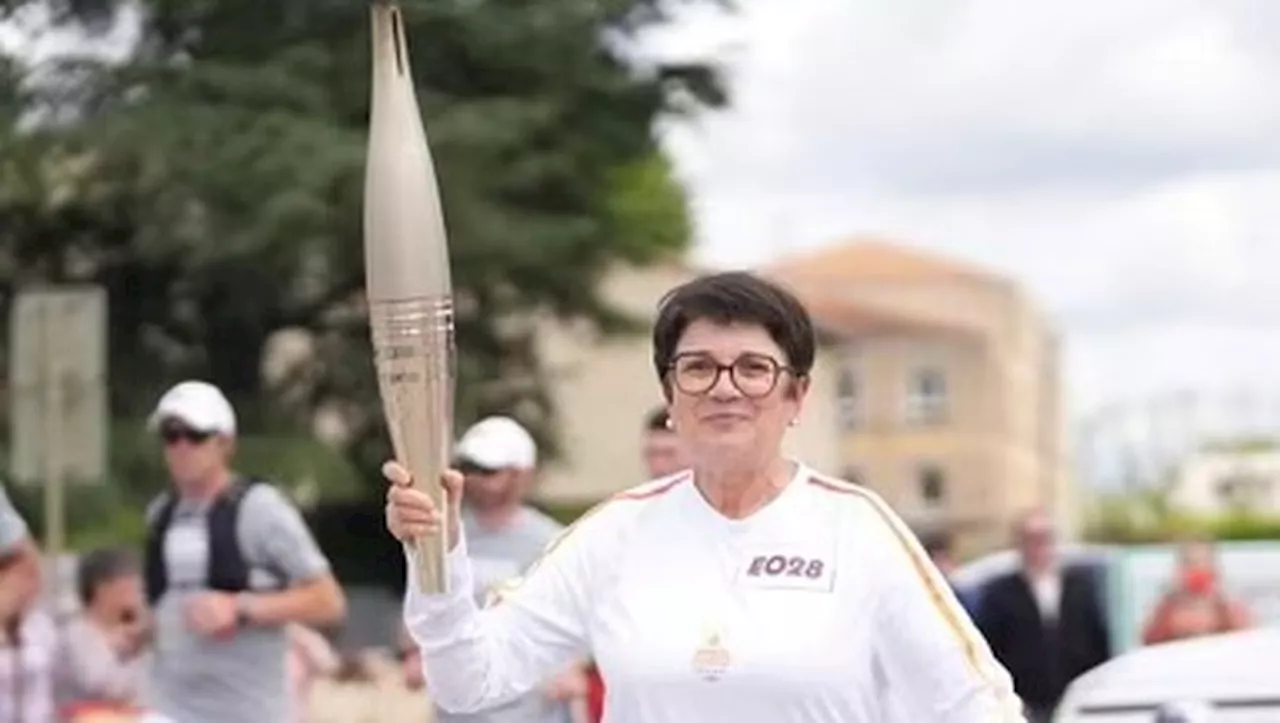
[397, 34]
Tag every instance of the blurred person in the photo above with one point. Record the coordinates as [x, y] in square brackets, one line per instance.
[229, 564]
[940, 547]
[662, 449]
[1045, 621]
[749, 588]
[28, 636]
[100, 657]
[1196, 604]
[310, 657]
[410, 660]
[499, 458]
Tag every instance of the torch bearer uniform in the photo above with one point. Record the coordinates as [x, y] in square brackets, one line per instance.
[819, 608]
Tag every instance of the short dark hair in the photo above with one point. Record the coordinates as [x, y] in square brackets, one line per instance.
[735, 297]
[102, 565]
[937, 542]
[657, 420]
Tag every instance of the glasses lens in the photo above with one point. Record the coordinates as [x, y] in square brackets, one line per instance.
[755, 375]
[696, 374]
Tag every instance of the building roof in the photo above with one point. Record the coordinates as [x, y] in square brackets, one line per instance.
[872, 258]
[841, 318]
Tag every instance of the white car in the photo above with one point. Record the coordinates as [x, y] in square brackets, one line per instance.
[978, 572]
[1229, 678]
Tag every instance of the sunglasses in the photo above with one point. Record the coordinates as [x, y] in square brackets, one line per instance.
[471, 468]
[174, 435]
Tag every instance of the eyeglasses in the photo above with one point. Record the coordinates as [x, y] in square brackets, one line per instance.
[470, 468]
[755, 375]
[175, 434]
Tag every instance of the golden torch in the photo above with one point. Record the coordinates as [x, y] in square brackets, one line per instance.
[407, 282]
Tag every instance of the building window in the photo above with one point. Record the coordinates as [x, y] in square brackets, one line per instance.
[1241, 491]
[927, 397]
[933, 484]
[847, 402]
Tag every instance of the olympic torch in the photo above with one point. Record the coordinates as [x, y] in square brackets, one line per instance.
[407, 283]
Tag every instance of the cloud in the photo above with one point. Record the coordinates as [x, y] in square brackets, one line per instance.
[1122, 164]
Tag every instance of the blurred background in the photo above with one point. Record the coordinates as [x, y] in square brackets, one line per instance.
[1038, 239]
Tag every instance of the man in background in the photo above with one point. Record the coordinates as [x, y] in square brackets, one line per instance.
[940, 546]
[100, 658]
[229, 564]
[1045, 621]
[504, 537]
[660, 448]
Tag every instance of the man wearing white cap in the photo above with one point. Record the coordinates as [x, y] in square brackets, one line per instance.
[505, 536]
[229, 563]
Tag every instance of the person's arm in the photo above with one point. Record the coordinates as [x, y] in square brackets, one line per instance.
[316, 652]
[280, 537]
[1157, 628]
[91, 667]
[990, 616]
[19, 561]
[475, 659]
[937, 665]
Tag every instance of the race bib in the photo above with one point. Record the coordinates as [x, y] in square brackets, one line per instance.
[788, 569]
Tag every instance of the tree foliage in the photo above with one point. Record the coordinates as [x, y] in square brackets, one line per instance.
[212, 183]
[1149, 517]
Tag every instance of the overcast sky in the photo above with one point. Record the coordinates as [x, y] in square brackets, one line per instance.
[1120, 160]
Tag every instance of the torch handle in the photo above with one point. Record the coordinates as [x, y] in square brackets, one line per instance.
[414, 353]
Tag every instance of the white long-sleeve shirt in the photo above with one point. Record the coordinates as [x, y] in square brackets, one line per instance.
[819, 608]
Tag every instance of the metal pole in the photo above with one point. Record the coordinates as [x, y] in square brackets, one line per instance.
[54, 492]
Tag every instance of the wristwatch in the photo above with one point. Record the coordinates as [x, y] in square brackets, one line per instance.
[243, 603]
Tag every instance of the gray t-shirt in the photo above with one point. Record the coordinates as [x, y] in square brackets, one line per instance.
[13, 530]
[242, 679]
[496, 557]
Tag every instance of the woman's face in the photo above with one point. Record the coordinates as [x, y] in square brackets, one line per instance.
[722, 422]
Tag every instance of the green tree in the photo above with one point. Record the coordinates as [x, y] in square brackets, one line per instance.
[212, 183]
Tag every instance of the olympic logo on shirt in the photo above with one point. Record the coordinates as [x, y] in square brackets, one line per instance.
[781, 565]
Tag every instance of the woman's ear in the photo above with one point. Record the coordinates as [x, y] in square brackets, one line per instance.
[798, 389]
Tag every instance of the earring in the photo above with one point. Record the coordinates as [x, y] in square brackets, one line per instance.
[793, 422]
[670, 424]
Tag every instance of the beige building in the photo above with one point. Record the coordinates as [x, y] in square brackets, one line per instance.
[604, 388]
[948, 387]
[937, 385]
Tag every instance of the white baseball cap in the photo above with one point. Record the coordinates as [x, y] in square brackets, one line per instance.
[199, 405]
[498, 443]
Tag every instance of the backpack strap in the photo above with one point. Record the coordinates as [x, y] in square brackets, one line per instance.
[228, 568]
[155, 570]
[228, 571]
